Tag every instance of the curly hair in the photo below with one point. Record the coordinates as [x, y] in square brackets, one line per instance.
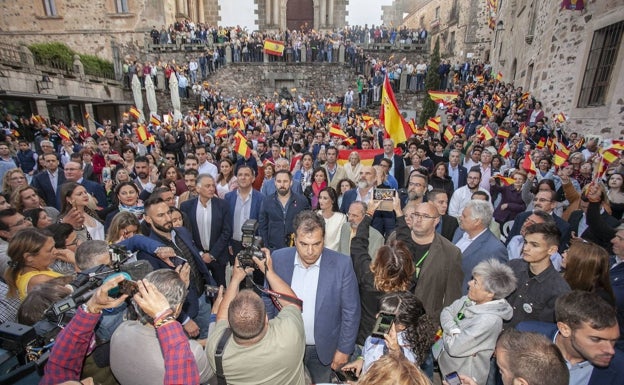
[393, 268]
[410, 312]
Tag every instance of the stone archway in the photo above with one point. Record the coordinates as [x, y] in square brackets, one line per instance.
[300, 13]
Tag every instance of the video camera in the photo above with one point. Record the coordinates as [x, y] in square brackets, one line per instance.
[251, 244]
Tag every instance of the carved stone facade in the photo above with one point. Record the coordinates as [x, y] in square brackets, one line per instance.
[461, 26]
[548, 51]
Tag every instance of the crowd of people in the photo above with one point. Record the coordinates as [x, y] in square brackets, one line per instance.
[484, 231]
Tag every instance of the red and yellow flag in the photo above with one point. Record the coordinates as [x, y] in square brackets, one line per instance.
[395, 125]
[528, 165]
[560, 117]
[443, 97]
[433, 124]
[336, 131]
[221, 133]
[486, 132]
[134, 112]
[274, 47]
[63, 133]
[541, 144]
[333, 108]
[241, 146]
[560, 157]
[366, 156]
[449, 134]
[506, 181]
[155, 119]
[499, 76]
[487, 110]
[503, 133]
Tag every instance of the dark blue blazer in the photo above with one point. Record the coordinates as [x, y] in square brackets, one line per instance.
[398, 166]
[337, 306]
[220, 230]
[462, 175]
[563, 226]
[256, 202]
[612, 374]
[42, 183]
[485, 246]
[190, 307]
[96, 190]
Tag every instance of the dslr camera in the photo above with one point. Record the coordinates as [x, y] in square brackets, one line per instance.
[251, 244]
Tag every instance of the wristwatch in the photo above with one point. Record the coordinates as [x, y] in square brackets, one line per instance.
[88, 310]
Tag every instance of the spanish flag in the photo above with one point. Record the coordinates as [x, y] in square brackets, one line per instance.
[505, 180]
[617, 144]
[504, 150]
[155, 120]
[560, 117]
[142, 133]
[541, 144]
[610, 155]
[134, 112]
[522, 129]
[499, 76]
[349, 141]
[366, 156]
[443, 97]
[247, 111]
[560, 158]
[503, 133]
[334, 108]
[395, 125]
[87, 116]
[487, 110]
[222, 133]
[241, 146]
[433, 124]
[273, 47]
[63, 133]
[336, 131]
[449, 134]
[480, 78]
[486, 132]
[528, 165]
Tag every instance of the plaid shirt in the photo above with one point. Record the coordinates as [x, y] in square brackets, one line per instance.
[68, 353]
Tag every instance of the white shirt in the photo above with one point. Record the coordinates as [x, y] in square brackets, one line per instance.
[465, 241]
[54, 179]
[204, 222]
[365, 199]
[460, 198]
[208, 168]
[304, 284]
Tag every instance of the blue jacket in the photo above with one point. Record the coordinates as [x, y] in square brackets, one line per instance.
[256, 203]
[563, 226]
[612, 374]
[42, 183]
[337, 307]
[220, 230]
[485, 246]
[276, 222]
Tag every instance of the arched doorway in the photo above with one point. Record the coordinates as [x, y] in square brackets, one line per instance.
[300, 13]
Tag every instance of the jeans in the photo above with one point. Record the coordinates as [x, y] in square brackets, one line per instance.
[202, 319]
[319, 372]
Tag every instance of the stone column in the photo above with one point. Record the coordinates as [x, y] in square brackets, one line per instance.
[89, 123]
[341, 54]
[268, 12]
[317, 17]
[323, 20]
[200, 11]
[330, 14]
[42, 108]
[228, 53]
[403, 82]
[304, 54]
[276, 9]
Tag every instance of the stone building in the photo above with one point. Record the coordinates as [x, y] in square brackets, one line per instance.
[461, 27]
[573, 61]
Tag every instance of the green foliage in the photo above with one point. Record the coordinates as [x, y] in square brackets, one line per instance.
[432, 83]
[60, 54]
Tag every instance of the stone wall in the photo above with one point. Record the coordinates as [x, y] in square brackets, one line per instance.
[461, 26]
[546, 50]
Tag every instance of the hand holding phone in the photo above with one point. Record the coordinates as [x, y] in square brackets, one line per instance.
[453, 379]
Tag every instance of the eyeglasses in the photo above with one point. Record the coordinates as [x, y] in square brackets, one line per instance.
[74, 243]
[21, 222]
[422, 216]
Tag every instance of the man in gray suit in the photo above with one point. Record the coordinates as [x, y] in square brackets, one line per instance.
[356, 213]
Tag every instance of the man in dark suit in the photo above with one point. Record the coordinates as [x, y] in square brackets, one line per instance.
[585, 332]
[244, 204]
[326, 282]
[545, 201]
[457, 172]
[448, 224]
[475, 240]
[196, 317]
[398, 166]
[212, 226]
[74, 173]
[49, 182]
[580, 227]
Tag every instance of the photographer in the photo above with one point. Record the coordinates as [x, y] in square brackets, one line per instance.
[261, 351]
[73, 342]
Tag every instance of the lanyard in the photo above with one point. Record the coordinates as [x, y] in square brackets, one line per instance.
[420, 261]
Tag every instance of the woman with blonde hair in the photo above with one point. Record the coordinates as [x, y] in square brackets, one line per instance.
[353, 167]
[587, 268]
[28, 198]
[13, 179]
[32, 252]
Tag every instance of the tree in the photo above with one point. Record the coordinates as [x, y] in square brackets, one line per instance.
[432, 82]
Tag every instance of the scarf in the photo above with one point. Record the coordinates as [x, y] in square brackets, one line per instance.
[137, 210]
[316, 190]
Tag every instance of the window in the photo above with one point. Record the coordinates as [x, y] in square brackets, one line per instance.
[437, 13]
[50, 7]
[600, 62]
[122, 6]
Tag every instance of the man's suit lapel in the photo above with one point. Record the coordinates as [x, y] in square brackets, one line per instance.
[474, 247]
[327, 280]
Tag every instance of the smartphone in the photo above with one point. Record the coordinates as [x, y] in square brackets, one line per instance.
[212, 291]
[345, 375]
[453, 378]
[382, 325]
[385, 195]
[128, 287]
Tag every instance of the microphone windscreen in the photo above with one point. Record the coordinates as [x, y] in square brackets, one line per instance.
[137, 270]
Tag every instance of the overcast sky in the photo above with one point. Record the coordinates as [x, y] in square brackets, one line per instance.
[362, 12]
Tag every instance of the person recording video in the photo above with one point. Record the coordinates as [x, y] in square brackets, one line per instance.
[249, 354]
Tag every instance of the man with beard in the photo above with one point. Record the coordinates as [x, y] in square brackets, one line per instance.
[585, 333]
[143, 182]
[278, 211]
[195, 316]
[463, 195]
[416, 187]
[355, 215]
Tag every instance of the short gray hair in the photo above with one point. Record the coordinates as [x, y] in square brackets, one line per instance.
[88, 252]
[481, 210]
[169, 283]
[496, 278]
[201, 177]
[362, 205]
